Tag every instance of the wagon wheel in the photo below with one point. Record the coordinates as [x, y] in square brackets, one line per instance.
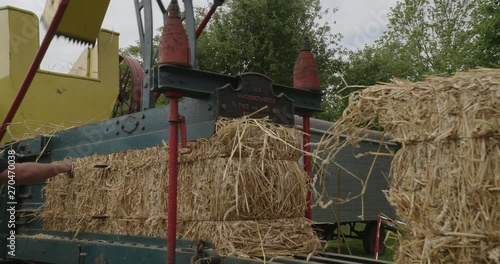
[129, 95]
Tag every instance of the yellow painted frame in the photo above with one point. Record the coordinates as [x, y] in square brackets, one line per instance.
[54, 100]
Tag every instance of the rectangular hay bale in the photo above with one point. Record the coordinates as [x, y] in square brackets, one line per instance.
[246, 176]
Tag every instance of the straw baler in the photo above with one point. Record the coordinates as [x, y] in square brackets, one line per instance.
[206, 97]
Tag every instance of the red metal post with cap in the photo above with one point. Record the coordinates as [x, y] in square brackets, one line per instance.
[305, 76]
[174, 49]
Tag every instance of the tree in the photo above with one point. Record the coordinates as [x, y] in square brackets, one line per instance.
[487, 29]
[265, 36]
[445, 36]
[429, 37]
[378, 64]
[424, 37]
[366, 67]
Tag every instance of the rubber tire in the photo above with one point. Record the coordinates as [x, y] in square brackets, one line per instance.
[369, 237]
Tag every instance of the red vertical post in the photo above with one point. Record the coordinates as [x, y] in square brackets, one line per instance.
[307, 159]
[377, 237]
[173, 120]
[51, 32]
[174, 49]
[305, 76]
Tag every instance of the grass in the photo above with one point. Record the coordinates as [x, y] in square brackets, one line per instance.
[356, 246]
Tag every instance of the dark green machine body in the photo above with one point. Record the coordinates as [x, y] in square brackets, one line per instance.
[135, 131]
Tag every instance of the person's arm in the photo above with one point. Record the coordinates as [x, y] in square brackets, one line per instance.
[30, 172]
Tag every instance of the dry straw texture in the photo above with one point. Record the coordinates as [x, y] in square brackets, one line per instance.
[243, 189]
[445, 180]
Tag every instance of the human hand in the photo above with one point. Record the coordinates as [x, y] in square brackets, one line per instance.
[66, 167]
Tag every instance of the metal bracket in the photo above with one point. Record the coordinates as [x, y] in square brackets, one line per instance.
[130, 124]
[146, 38]
[33, 147]
[203, 84]
[190, 30]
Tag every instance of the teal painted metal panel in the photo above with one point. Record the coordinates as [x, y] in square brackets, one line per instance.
[202, 84]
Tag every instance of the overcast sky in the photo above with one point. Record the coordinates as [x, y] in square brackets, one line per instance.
[359, 21]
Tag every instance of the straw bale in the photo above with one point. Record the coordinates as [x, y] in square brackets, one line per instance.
[247, 137]
[445, 180]
[445, 191]
[278, 237]
[234, 189]
[466, 105]
[226, 184]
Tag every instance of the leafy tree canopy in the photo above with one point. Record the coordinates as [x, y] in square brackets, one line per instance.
[425, 37]
[430, 37]
[265, 36]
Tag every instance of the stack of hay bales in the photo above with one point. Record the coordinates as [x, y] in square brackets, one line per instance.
[243, 189]
[445, 182]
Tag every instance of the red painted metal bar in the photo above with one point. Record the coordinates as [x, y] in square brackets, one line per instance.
[307, 159]
[377, 237]
[51, 32]
[205, 20]
[173, 119]
[182, 127]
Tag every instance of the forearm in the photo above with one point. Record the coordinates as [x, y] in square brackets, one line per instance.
[29, 172]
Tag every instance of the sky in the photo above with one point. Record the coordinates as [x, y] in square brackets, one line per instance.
[359, 21]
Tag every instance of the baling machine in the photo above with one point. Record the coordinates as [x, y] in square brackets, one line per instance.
[206, 96]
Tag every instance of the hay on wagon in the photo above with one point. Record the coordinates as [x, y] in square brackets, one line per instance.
[242, 189]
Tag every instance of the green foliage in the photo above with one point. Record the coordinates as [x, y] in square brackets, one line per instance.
[487, 31]
[423, 37]
[426, 37]
[436, 37]
[332, 105]
[132, 50]
[135, 50]
[265, 36]
[372, 65]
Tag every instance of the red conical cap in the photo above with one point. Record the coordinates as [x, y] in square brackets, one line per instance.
[174, 43]
[305, 72]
